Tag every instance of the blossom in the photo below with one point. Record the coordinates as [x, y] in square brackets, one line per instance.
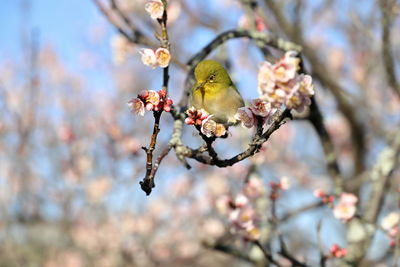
[280, 84]
[148, 57]
[286, 68]
[196, 116]
[325, 198]
[155, 8]
[260, 107]
[345, 209]
[208, 126]
[241, 201]
[266, 78]
[253, 188]
[163, 57]
[390, 221]
[243, 222]
[137, 106]
[337, 252]
[348, 198]
[152, 101]
[213, 228]
[245, 115]
[220, 130]
[284, 183]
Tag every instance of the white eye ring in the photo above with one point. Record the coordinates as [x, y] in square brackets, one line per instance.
[211, 78]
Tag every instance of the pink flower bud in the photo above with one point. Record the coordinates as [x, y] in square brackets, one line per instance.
[162, 93]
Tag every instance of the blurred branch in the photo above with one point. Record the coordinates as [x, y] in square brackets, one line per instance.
[266, 253]
[299, 211]
[379, 176]
[319, 71]
[386, 7]
[322, 256]
[316, 119]
[284, 252]
[137, 37]
[230, 251]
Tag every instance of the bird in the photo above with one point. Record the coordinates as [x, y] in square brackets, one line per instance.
[215, 92]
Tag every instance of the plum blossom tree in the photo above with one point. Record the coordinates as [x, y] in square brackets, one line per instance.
[308, 177]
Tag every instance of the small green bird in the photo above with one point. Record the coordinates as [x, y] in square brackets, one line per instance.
[215, 92]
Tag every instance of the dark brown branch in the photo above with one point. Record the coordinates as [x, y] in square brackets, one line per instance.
[254, 146]
[136, 37]
[379, 176]
[147, 184]
[148, 181]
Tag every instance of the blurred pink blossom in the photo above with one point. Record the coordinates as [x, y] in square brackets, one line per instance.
[345, 209]
[337, 252]
[241, 201]
[325, 198]
[254, 188]
[390, 221]
[213, 228]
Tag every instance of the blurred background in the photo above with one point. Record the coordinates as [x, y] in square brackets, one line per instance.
[70, 149]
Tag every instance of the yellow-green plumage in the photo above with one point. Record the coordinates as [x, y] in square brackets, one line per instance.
[215, 92]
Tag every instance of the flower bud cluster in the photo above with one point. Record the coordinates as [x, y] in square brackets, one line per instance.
[283, 184]
[337, 252]
[242, 216]
[208, 127]
[150, 100]
[390, 224]
[326, 199]
[280, 84]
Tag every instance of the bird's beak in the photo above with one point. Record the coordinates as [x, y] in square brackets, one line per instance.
[199, 86]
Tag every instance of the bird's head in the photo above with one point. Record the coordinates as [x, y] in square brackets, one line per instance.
[211, 74]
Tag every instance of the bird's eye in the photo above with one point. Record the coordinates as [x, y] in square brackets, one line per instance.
[211, 78]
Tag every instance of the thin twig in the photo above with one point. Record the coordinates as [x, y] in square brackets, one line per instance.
[136, 38]
[147, 184]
